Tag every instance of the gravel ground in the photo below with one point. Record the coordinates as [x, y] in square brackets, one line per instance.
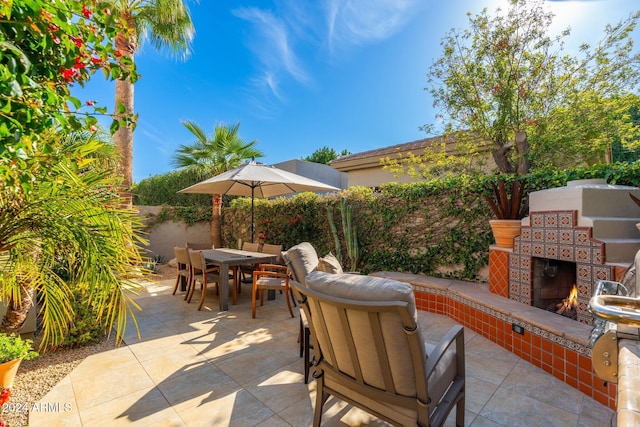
[37, 377]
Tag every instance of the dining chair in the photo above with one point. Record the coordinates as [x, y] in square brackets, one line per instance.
[248, 269]
[183, 268]
[269, 277]
[268, 248]
[197, 246]
[203, 275]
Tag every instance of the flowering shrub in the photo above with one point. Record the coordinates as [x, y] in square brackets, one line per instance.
[45, 47]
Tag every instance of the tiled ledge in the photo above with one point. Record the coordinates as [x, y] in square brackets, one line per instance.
[628, 413]
[554, 343]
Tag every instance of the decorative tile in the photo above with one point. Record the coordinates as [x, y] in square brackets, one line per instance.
[514, 297]
[583, 254]
[565, 237]
[525, 276]
[551, 251]
[536, 219]
[583, 272]
[601, 273]
[551, 235]
[525, 300]
[567, 219]
[537, 235]
[584, 289]
[551, 220]
[525, 249]
[537, 250]
[514, 261]
[525, 233]
[582, 236]
[566, 253]
[598, 253]
[525, 291]
[525, 262]
[514, 274]
[514, 288]
[516, 245]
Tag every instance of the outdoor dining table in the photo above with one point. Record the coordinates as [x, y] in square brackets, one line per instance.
[225, 258]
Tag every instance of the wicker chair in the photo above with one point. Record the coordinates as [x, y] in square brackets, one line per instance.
[370, 352]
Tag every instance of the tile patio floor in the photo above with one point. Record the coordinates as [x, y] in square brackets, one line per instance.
[208, 368]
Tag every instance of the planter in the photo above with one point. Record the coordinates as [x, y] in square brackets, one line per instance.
[505, 230]
[8, 371]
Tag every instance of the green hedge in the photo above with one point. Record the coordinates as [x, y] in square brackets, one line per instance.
[438, 228]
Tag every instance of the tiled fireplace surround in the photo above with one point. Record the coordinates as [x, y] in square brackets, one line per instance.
[554, 343]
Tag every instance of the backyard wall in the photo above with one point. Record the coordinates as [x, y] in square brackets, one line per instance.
[162, 237]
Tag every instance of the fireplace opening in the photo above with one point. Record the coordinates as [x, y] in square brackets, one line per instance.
[553, 282]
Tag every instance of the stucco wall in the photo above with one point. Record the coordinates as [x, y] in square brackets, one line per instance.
[164, 236]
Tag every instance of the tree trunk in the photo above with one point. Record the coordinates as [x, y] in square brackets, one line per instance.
[501, 157]
[522, 147]
[216, 223]
[126, 43]
[16, 315]
[123, 139]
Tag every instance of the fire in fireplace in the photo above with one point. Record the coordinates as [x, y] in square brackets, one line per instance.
[569, 306]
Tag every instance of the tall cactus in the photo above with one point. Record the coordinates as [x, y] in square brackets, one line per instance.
[334, 232]
[350, 234]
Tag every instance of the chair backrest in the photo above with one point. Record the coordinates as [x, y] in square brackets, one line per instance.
[199, 246]
[370, 352]
[251, 247]
[197, 259]
[182, 256]
[301, 259]
[273, 250]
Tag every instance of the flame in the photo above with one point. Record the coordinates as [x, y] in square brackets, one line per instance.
[571, 302]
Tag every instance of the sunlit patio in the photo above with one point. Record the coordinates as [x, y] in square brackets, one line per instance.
[211, 368]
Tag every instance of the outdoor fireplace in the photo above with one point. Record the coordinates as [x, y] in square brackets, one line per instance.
[574, 235]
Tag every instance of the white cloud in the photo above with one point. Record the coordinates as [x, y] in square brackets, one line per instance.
[273, 45]
[355, 22]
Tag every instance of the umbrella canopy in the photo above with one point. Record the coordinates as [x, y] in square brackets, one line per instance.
[254, 179]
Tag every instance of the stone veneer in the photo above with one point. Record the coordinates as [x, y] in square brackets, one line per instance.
[555, 235]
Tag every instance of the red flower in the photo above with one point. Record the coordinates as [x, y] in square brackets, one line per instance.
[89, 103]
[56, 39]
[96, 60]
[118, 54]
[68, 74]
[86, 12]
[93, 128]
[76, 40]
[5, 395]
[107, 12]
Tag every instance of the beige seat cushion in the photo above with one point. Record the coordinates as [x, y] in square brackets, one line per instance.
[301, 259]
[330, 264]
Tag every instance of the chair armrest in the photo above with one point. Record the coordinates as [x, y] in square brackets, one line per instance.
[273, 267]
[455, 335]
[266, 273]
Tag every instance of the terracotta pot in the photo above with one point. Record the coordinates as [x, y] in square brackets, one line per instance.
[505, 230]
[8, 371]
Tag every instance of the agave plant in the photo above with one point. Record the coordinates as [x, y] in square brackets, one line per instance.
[504, 204]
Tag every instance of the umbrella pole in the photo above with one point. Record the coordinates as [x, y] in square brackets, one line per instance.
[252, 223]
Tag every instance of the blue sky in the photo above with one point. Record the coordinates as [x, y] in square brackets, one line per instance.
[303, 74]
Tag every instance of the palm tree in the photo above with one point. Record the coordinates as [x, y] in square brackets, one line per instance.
[167, 24]
[69, 233]
[209, 156]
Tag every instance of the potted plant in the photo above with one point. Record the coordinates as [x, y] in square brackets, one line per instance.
[509, 207]
[13, 349]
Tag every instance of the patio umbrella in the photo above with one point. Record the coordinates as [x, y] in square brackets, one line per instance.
[254, 179]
